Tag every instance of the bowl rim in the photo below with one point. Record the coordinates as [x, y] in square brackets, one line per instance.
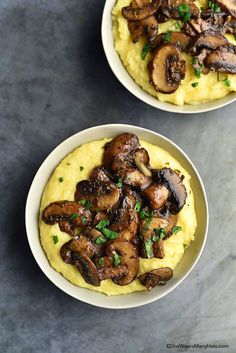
[28, 215]
[127, 81]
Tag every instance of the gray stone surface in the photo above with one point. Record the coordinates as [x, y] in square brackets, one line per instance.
[55, 81]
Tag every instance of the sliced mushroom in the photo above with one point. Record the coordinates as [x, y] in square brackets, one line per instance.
[129, 233]
[101, 174]
[170, 8]
[174, 183]
[117, 150]
[101, 215]
[142, 160]
[87, 268]
[134, 178]
[166, 69]
[106, 270]
[121, 217]
[101, 195]
[177, 38]
[146, 232]
[221, 61]
[230, 24]
[132, 13]
[157, 195]
[67, 227]
[158, 249]
[156, 277]
[209, 40]
[228, 5]
[69, 211]
[129, 258]
[137, 28]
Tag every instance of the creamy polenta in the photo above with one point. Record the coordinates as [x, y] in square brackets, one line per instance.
[211, 86]
[61, 186]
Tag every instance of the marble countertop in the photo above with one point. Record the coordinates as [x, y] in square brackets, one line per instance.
[55, 81]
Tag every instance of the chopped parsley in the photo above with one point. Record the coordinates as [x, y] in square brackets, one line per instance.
[101, 261]
[109, 234]
[194, 60]
[100, 240]
[176, 229]
[195, 84]
[197, 72]
[144, 214]
[73, 216]
[148, 248]
[81, 168]
[145, 50]
[119, 183]
[184, 12]
[160, 233]
[167, 37]
[61, 179]
[137, 207]
[116, 259]
[84, 220]
[87, 204]
[55, 239]
[214, 6]
[177, 25]
[227, 82]
[146, 225]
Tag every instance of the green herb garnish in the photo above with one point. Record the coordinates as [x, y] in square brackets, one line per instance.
[61, 179]
[110, 234]
[55, 239]
[177, 26]
[145, 50]
[87, 204]
[73, 216]
[119, 183]
[167, 37]
[194, 60]
[148, 248]
[101, 261]
[184, 12]
[227, 82]
[102, 224]
[146, 225]
[144, 214]
[176, 229]
[197, 72]
[137, 207]
[100, 240]
[214, 6]
[81, 168]
[84, 220]
[160, 233]
[116, 259]
[195, 84]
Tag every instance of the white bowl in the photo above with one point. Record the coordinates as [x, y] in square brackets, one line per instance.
[190, 257]
[121, 73]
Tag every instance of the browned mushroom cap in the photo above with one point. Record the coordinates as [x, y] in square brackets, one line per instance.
[156, 277]
[67, 227]
[132, 13]
[129, 258]
[158, 249]
[87, 268]
[157, 195]
[106, 269]
[170, 8]
[166, 69]
[230, 24]
[146, 232]
[228, 5]
[122, 217]
[100, 173]
[134, 178]
[221, 61]
[129, 233]
[138, 28]
[117, 150]
[70, 211]
[209, 40]
[176, 38]
[100, 216]
[174, 183]
[101, 195]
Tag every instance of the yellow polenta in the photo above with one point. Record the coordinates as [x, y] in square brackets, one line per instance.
[210, 87]
[89, 156]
